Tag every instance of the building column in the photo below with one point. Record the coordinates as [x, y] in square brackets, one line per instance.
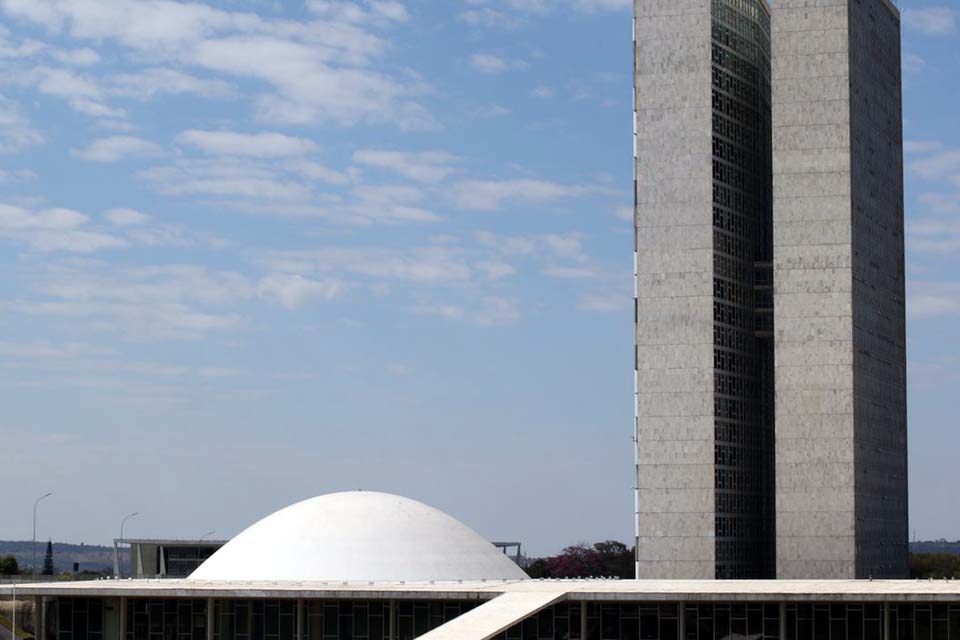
[38, 617]
[299, 625]
[783, 621]
[583, 620]
[682, 621]
[123, 618]
[210, 619]
[393, 620]
[886, 621]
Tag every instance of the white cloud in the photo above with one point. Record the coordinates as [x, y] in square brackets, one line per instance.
[494, 64]
[921, 146]
[260, 145]
[542, 91]
[912, 62]
[489, 111]
[933, 299]
[126, 217]
[81, 93]
[293, 290]
[421, 166]
[319, 70]
[932, 236]
[225, 178]
[82, 57]
[489, 195]
[370, 11]
[15, 131]
[52, 230]
[424, 265]
[114, 148]
[937, 165]
[934, 21]
[147, 83]
[550, 245]
[487, 17]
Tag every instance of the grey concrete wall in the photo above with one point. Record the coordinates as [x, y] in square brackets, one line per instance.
[674, 290]
[879, 355]
[813, 301]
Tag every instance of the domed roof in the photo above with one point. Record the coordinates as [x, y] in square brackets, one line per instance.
[358, 536]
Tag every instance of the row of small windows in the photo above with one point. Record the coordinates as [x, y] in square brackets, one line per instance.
[743, 68]
[736, 456]
[734, 409]
[734, 154]
[733, 338]
[735, 177]
[738, 362]
[735, 88]
[733, 199]
[734, 433]
[731, 315]
[736, 132]
[733, 292]
[733, 245]
[750, 9]
[739, 503]
[743, 46]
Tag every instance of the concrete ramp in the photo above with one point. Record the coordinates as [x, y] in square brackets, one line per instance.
[494, 616]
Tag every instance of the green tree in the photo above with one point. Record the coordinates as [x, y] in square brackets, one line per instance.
[48, 560]
[9, 566]
[934, 565]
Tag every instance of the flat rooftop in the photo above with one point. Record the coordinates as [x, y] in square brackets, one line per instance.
[605, 590]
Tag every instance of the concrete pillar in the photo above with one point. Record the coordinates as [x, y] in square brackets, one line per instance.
[393, 620]
[299, 625]
[583, 620]
[123, 618]
[210, 619]
[682, 621]
[783, 621]
[38, 617]
[886, 621]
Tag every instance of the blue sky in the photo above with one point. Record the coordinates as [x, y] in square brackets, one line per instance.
[258, 251]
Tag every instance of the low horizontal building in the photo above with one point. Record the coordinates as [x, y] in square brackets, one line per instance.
[155, 558]
[338, 564]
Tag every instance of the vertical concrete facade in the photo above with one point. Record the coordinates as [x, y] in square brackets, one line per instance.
[674, 290]
[879, 326]
[838, 281]
[703, 389]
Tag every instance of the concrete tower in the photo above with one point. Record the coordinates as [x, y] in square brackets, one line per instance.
[704, 348]
[841, 423]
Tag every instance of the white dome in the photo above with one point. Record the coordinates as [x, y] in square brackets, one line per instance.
[358, 536]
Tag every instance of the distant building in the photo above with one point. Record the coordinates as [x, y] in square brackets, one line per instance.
[164, 558]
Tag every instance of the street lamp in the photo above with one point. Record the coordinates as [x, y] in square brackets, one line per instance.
[120, 568]
[208, 533]
[35, 505]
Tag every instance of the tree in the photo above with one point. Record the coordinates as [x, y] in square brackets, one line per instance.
[934, 565]
[578, 561]
[9, 566]
[48, 560]
[608, 559]
[616, 558]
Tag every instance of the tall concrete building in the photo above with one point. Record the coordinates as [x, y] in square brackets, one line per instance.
[841, 446]
[770, 384]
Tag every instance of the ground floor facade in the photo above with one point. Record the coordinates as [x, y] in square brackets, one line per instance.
[529, 610]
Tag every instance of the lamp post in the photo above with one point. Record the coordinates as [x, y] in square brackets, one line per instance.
[35, 505]
[123, 522]
[208, 533]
